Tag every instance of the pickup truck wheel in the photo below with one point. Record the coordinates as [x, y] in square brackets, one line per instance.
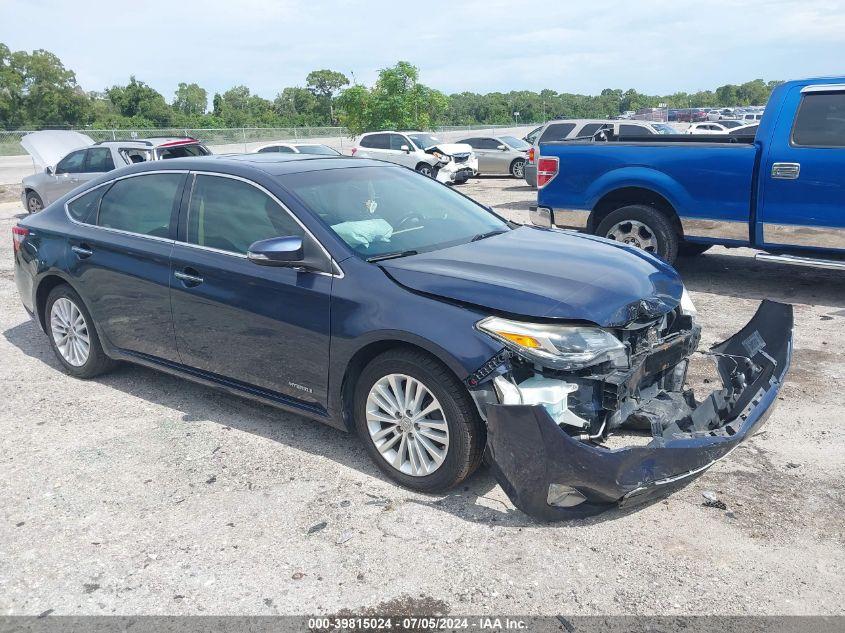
[34, 204]
[417, 421]
[644, 227]
[690, 249]
[425, 169]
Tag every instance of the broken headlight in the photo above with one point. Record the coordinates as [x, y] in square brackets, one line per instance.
[566, 347]
[687, 306]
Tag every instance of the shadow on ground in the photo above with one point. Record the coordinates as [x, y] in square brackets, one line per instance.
[741, 276]
[478, 499]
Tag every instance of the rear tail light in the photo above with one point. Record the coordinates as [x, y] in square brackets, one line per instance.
[352, 151]
[18, 235]
[547, 169]
[531, 155]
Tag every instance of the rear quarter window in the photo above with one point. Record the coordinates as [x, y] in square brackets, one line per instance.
[84, 208]
[557, 132]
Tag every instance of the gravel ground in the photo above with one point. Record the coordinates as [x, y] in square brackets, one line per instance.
[139, 493]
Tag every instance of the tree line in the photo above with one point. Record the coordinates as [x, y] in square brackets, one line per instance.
[38, 91]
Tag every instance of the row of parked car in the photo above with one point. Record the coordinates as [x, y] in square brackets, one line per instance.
[71, 158]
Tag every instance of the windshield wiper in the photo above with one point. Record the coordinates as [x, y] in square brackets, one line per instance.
[482, 236]
[378, 258]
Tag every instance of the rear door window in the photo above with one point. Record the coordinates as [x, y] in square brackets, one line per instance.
[99, 160]
[820, 121]
[557, 132]
[376, 141]
[632, 130]
[141, 204]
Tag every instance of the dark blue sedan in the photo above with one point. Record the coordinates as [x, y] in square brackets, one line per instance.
[366, 296]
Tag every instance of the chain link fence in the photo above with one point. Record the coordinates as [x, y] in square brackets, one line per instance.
[225, 139]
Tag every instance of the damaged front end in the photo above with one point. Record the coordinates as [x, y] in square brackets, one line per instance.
[549, 414]
[456, 162]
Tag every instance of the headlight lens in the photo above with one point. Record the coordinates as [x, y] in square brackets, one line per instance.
[687, 306]
[566, 347]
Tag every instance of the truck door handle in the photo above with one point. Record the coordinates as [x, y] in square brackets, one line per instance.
[82, 252]
[786, 171]
[190, 277]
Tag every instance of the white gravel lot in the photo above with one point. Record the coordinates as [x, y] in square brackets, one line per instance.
[139, 493]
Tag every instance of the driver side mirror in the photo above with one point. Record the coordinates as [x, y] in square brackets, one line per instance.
[502, 147]
[406, 149]
[277, 251]
[48, 170]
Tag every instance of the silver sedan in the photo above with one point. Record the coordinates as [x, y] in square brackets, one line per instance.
[499, 154]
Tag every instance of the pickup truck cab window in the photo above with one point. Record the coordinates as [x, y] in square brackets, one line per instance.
[820, 121]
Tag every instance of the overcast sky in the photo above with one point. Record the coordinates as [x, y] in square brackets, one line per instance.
[475, 45]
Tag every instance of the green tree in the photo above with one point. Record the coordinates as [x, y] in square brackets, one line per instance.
[37, 90]
[325, 84]
[397, 100]
[190, 99]
[142, 104]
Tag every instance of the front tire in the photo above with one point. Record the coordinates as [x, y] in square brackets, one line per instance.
[72, 334]
[417, 421]
[34, 204]
[644, 227]
[518, 168]
[425, 169]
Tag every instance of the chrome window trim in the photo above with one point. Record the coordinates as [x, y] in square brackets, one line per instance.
[335, 265]
[823, 88]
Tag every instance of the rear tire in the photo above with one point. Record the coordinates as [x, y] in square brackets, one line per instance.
[34, 204]
[453, 427]
[644, 227]
[72, 334]
[425, 169]
[518, 168]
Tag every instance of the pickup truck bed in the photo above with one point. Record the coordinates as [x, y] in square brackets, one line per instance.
[782, 191]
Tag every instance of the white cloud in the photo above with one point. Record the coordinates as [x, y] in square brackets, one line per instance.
[479, 45]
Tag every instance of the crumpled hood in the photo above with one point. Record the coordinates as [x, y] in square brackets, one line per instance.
[451, 149]
[48, 147]
[549, 274]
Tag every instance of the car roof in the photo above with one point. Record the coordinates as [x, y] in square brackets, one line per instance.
[270, 163]
[154, 141]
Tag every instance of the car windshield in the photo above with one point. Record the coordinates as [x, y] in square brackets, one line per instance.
[381, 211]
[516, 143]
[662, 128]
[322, 150]
[424, 141]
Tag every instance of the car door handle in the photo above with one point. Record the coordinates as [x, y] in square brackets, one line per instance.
[188, 278]
[786, 171]
[82, 251]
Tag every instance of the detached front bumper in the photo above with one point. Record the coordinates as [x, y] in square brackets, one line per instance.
[542, 468]
[458, 172]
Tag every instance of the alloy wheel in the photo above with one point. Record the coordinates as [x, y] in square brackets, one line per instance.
[634, 233]
[407, 425]
[33, 204]
[70, 332]
[518, 170]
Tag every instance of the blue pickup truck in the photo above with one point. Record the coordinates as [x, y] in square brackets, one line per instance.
[781, 191]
